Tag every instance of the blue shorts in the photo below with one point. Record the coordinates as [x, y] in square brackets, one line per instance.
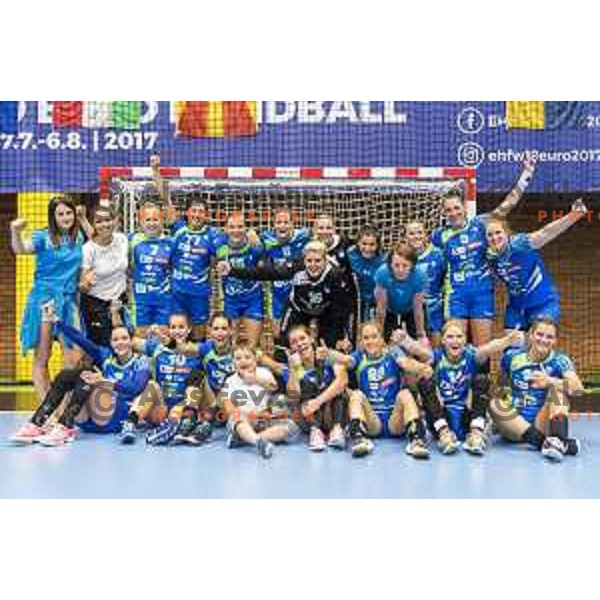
[522, 318]
[384, 418]
[249, 307]
[457, 421]
[195, 306]
[434, 317]
[280, 303]
[469, 302]
[155, 312]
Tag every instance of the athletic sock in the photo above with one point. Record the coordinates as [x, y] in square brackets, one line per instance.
[534, 437]
[559, 427]
[415, 430]
[431, 403]
[481, 396]
[358, 429]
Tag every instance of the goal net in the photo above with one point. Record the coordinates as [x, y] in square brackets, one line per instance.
[386, 199]
[387, 204]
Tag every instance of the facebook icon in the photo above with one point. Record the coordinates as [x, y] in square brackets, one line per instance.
[470, 120]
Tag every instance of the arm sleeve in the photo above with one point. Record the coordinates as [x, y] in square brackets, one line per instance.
[97, 353]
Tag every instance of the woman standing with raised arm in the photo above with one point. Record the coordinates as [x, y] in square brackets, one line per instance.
[469, 286]
[58, 252]
[517, 262]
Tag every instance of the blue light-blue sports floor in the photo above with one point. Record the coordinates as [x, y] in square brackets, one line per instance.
[98, 467]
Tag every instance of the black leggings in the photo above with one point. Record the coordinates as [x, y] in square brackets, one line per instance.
[394, 321]
[97, 319]
[332, 328]
[68, 380]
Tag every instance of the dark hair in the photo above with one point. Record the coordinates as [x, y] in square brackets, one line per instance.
[219, 315]
[196, 199]
[105, 210]
[369, 230]
[123, 326]
[404, 250]
[179, 314]
[53, 228]
[543, 321]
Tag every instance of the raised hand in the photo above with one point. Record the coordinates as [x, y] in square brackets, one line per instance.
[516, 337]
[579, 207]
[322, 352]
[344, 346]
[155, 161]
[18, 225]
[529, 165]
[399, 336]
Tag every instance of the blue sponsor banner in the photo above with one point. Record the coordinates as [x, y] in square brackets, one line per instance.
[39, 156]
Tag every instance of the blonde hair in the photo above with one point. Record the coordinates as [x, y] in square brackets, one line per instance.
[452, 323]
[315, 246]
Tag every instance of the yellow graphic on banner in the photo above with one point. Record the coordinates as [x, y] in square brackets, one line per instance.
[526, 114]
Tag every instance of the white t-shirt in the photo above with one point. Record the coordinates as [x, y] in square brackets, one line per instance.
[110, 265]
[249, 398]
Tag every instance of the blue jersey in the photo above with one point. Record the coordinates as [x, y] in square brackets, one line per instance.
[172, 370]
[57, 267]
[130, 377]
[240, 258]
[151, 259]
[431, 262]
[465, 253]
[518, 369]
[193, 252]
[279, 252]
[521, 267]
[454, 379]
[217, 367]
[400, 293]
[365, 269]
[379, 379]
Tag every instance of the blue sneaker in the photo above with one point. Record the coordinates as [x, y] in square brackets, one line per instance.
[128, 434]
[164, 433]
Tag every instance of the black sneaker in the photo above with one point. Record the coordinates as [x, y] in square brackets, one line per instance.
[573, 446]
